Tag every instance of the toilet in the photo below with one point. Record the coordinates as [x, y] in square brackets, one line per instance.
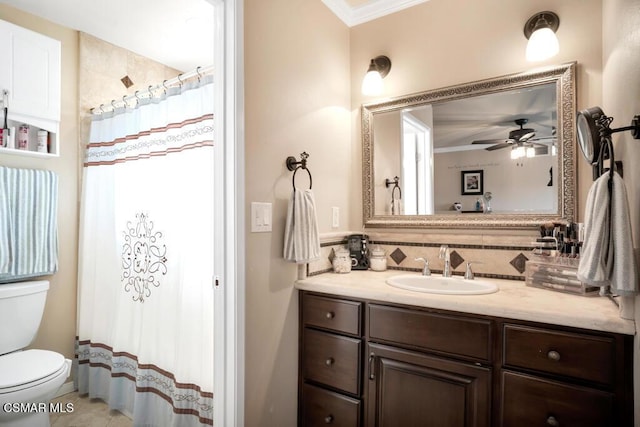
[29, 379]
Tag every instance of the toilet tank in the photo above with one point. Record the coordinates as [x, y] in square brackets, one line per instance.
[21, 308]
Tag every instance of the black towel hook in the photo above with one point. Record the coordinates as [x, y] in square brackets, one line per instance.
[294, 165]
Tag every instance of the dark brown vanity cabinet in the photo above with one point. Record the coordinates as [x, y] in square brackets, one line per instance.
[366, 363]
[427, 368]
[565, 377]
[331, 351]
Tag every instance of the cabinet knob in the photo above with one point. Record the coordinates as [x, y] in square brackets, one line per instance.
[328, 419]
[552, 421]
[330, 315]
[329, 361]
[553, 355]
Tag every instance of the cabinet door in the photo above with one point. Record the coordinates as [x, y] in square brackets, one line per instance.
[412, 389]
[30, 71]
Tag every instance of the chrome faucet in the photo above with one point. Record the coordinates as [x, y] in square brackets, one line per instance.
[425, 270]
[444, 254]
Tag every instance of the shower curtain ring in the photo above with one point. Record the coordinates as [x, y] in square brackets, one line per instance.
[164, 84]
[137, 97]
[113, 104]
[199, 75]
[150, 90]
[179, 79]
[102, 108]
[124, 101]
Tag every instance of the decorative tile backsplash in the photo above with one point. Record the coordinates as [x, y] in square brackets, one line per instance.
[491, 255]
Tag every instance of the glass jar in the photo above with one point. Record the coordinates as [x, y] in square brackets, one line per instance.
[341, 261]
[378, 259]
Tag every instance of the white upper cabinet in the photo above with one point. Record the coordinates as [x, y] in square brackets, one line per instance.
[30, 71]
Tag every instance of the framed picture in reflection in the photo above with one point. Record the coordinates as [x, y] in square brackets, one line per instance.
[472, 182]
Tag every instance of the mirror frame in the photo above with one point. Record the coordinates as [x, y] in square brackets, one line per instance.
[565, 81]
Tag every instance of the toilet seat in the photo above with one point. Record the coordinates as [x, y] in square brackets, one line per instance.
[29, 368]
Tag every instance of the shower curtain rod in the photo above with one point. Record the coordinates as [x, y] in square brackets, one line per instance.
[148, 92]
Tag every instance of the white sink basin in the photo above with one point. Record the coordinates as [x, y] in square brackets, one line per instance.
[442, 285]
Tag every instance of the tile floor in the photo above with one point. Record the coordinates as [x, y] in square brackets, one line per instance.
[86, 413]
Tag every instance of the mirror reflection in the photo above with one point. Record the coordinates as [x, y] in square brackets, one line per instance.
[510, 137]
[496, 147]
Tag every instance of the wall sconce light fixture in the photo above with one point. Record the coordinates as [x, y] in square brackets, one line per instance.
[541, 29]
[378, 69]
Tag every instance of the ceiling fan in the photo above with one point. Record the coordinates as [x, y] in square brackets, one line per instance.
[517, 137]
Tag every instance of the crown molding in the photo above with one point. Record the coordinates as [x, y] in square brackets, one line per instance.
[371, 10]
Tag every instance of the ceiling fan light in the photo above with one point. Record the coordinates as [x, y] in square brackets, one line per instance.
[531, 152]
[518, 152]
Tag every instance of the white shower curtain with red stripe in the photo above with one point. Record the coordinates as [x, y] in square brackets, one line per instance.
[145, 292]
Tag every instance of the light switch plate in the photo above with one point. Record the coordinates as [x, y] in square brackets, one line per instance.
[260, 217]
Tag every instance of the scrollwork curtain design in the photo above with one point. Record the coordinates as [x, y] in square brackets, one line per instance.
[145, 297]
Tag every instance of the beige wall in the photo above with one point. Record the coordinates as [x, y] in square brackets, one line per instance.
[302, 85]
[297, 99]
[620, 100]
[101, 66]
[445, 42]
[58, 328]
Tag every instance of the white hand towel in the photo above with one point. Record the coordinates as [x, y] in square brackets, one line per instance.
[607, 257]
[396, 207]
[301, 235]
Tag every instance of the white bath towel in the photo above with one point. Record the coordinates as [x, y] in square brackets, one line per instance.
[607, 257]
[301, 235]
[28, 223]
[396, 207]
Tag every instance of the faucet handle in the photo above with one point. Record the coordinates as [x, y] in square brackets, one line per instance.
[468, 274]
[425, 270]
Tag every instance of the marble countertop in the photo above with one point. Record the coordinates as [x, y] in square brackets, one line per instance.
[514, 300]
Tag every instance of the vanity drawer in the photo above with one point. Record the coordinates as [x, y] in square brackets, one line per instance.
[331, 359]
[332, 314]
[531, 401]
[321, 407]
[458, 335]
[587, 357]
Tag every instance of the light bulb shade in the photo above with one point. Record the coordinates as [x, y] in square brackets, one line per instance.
[543, 44]
[378, 68]
[541, 29]
[518, 152]
[531, 152]
[372, 84]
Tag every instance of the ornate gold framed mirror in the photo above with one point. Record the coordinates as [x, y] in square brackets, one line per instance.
[511, 136]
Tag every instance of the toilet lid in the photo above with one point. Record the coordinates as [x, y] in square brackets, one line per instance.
[23, 367]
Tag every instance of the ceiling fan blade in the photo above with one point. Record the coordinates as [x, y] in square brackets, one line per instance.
[544, 138]
[499, 146]
[493, 141]
[526, 137]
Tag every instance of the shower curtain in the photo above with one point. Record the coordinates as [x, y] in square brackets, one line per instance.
[145, 292]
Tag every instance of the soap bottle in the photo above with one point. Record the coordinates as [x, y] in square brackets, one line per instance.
[479, 205]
